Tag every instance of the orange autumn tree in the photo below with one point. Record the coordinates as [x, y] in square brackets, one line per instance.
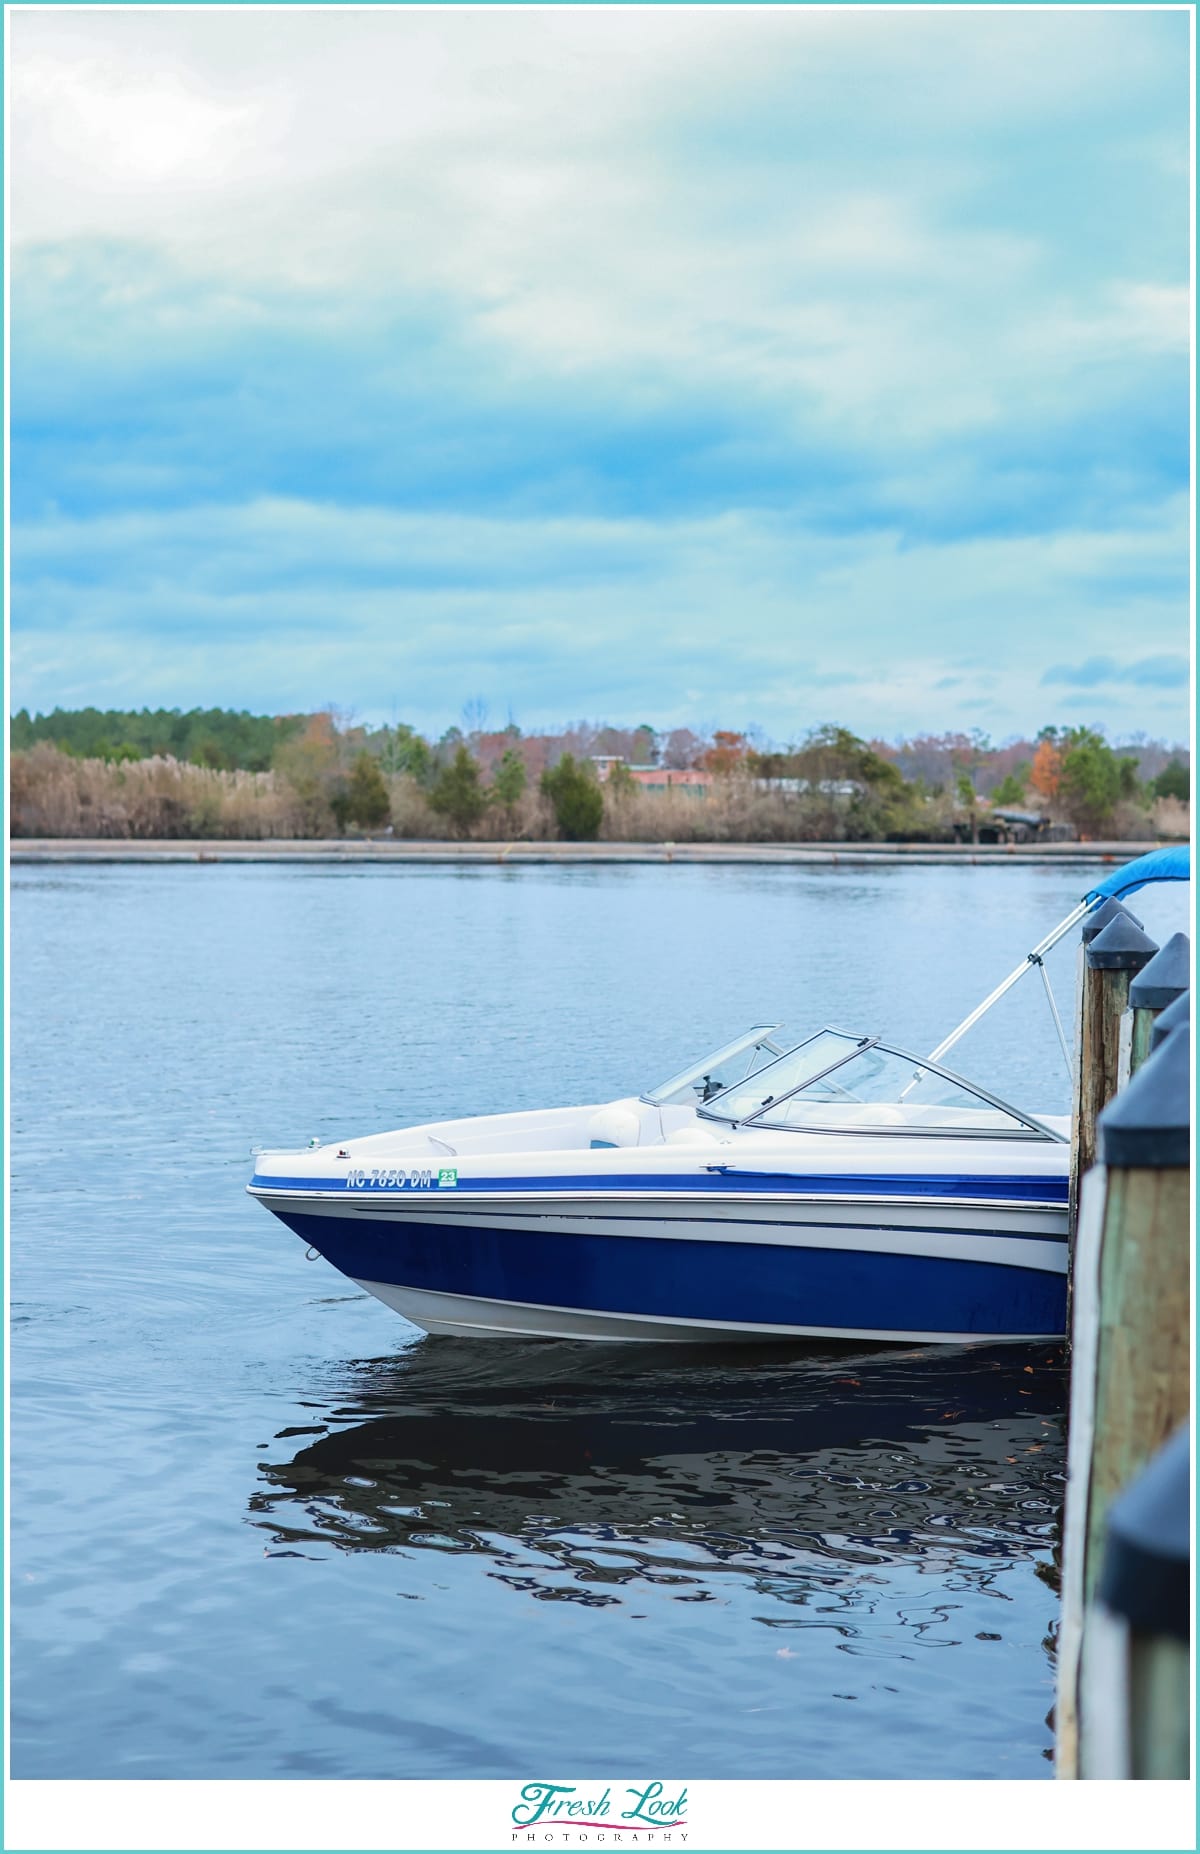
[1045, 774]
[310, 761]
[726, 754]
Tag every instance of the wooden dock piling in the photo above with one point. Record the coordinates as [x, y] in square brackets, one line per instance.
[1175, 1014]
[1164, 979]
[1111, 957]
[1093, 925]
[1131, 1353]
[1141, 1717]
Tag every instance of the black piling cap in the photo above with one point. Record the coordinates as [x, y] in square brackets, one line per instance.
[1175, 1014]
[1110, 910]
[1149, 1123]
[1121, 947]
[1166, 977]
[1146, 1573]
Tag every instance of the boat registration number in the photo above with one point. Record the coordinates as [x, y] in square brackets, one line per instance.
[402, 1178]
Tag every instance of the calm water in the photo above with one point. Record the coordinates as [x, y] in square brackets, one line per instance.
[263, 1528]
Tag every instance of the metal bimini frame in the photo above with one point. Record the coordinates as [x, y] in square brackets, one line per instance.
[1034, 958]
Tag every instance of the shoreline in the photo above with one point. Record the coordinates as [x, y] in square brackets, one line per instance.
[29, 850]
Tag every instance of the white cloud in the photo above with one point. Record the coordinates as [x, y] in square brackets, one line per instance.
[755, 620]
[1123, 318]
[886, 244]
[649, 196]
[133, 133]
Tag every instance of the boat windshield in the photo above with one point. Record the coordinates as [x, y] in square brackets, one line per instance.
[730, 1064]
[750, 1095]
[875, 1089]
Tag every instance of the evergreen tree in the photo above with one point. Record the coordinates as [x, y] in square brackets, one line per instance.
[509, 782]
[1174, 781]
[403, 750]
[367, 800]
[217, 737]
[1011, 789]
[457, 793]
[577, 799]
[1091, 779]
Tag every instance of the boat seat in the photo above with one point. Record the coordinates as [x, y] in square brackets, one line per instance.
[614, 1125]
[691, 1136]
[873, 1114]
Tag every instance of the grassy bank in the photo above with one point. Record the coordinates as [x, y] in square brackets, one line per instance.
[57, 795]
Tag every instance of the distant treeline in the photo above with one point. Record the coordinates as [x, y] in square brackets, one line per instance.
[226, 739]
[217, 772]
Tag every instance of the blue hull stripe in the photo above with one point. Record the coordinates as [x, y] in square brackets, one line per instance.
[402, 1206]
[745, 1283]
[874, 1184]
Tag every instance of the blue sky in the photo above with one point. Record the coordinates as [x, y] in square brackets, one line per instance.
[731, 367]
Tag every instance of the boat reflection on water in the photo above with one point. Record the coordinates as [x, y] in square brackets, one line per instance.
[586, 1472]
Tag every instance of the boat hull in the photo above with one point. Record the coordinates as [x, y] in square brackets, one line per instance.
[692, 1273]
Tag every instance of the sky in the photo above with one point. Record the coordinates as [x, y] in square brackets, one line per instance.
[700, 366]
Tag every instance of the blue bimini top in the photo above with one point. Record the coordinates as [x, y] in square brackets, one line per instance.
[1171, 864]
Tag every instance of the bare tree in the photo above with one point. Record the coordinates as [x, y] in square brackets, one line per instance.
[682, 748]
[474, 715]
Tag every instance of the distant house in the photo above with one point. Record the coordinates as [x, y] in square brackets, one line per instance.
[690, 781]
[604, 763]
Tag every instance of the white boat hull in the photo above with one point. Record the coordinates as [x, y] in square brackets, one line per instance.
[460, 1316]
[646, 1250]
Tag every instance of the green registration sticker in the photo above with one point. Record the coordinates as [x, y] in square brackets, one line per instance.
[447, 1178]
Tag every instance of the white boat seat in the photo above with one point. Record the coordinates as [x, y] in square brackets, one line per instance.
[615, 1125]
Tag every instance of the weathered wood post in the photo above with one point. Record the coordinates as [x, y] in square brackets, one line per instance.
[1175, 1014]
[1139, 1716]
[1165, 978]
[1143, 1364]
[1093, 924]
[1111, 957]
[1130, 1339]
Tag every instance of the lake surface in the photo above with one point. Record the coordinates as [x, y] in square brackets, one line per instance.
[264, 1528]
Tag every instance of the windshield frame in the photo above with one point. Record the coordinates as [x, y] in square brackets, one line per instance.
[758, 1036]
[859, 1044]
[1030, 1126]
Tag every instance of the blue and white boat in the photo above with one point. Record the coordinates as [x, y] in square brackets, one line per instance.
[841, 1187]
